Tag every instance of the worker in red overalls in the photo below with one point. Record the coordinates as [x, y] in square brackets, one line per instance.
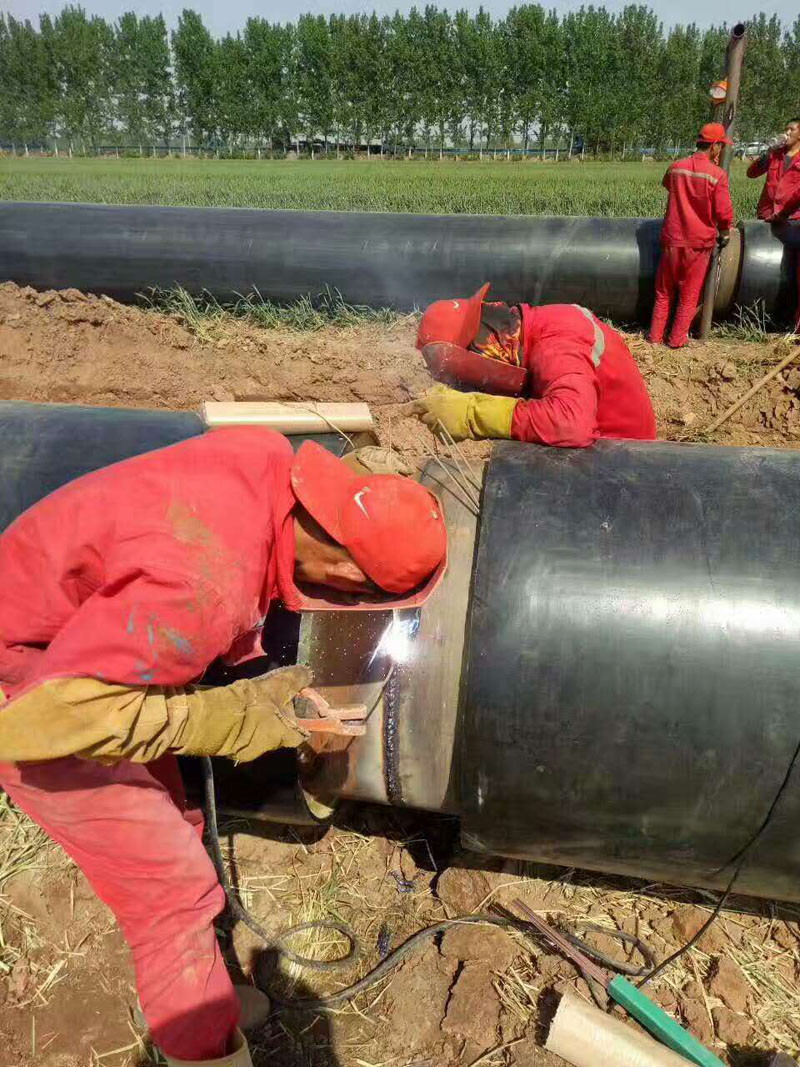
[119, 590]
[780, 197]
[553, 373]
[699, 212]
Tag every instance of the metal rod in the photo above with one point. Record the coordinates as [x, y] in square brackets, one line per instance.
[734, 57]
[715, 425]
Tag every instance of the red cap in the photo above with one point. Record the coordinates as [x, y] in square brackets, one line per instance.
[392, 527]
[453, 320]
[714, 133]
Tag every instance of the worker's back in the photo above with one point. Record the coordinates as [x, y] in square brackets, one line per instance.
[699, 203]
[178, 551]
[556, 333]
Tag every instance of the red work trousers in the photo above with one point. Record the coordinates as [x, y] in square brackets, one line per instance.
[129, 830]
[681, 272]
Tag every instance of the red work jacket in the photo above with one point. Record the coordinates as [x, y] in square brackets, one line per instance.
[780, 197]
[148, 570]
[699, 203]
[585, 382]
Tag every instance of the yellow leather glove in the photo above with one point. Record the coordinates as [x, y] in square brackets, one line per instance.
[98, 720]
[465, 415]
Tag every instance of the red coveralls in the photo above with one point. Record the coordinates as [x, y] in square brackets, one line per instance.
[586, 381]
[780, 197]
[699, 206]
[138, 574]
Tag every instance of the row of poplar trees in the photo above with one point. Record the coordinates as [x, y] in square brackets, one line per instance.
[428, 79]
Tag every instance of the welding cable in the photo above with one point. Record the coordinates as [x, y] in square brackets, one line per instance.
[375, 975]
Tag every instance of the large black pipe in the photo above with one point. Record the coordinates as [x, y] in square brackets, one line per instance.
[44, 446]
[402, 261]
[632, 689]
[382, 260]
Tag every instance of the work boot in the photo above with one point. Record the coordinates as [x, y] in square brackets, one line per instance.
[255, 1007]
[239, 1057]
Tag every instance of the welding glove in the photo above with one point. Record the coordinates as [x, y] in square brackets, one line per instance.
[239, 1057]
[467, 415]
[373, 459]
[108, 722]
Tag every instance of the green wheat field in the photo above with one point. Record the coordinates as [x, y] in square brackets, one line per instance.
[490, 187]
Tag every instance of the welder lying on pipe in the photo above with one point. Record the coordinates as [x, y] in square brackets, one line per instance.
[119, 590]
[554, 374]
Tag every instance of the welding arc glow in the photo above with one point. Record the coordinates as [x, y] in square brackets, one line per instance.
[396, 640]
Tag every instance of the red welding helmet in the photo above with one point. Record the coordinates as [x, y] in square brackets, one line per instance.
[453, 320]
[713, 133]
[392, 526]
[446, 331]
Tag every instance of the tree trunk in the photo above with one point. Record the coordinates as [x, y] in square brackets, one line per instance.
[27, 153]
[571, 142]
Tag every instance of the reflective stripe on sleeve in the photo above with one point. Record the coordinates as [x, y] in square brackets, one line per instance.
[599, 337]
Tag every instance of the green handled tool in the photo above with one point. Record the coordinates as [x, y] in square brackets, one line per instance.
[633, 1000]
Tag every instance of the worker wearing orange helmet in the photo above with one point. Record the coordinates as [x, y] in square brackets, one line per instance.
[119, 590]
[553, 374]
[699, 212]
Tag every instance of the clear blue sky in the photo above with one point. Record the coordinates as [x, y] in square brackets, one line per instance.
[231, 15]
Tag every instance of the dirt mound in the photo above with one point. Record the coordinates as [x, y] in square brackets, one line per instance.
[72, 348]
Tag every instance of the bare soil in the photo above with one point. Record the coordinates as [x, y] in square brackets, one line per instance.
[66, 987]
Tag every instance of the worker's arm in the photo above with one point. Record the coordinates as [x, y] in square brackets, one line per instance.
[759, 166]
[99, 720]
[723, 207]
[564, 416]
[96, 688]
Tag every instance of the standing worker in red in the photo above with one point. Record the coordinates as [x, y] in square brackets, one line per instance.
[554, 374]
[780, 197]
[119, 590]
[699, 212]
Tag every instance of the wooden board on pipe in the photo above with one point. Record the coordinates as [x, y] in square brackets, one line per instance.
[289, 417]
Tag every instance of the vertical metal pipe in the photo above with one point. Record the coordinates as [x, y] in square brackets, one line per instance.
[734, 58]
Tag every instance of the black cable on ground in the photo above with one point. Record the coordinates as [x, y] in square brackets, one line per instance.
[422, 936]
[375, 975]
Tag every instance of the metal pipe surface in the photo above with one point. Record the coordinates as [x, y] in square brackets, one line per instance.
[402, 261]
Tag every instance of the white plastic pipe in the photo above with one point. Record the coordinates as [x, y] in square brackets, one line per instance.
[586, 1037]
[289, 417]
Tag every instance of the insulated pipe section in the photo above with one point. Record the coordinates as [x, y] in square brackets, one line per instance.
[632, 690]
[402, 261]
[44, 446]
[769, 269]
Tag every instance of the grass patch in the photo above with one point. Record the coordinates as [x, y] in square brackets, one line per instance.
[204, 315]
[602, 189]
